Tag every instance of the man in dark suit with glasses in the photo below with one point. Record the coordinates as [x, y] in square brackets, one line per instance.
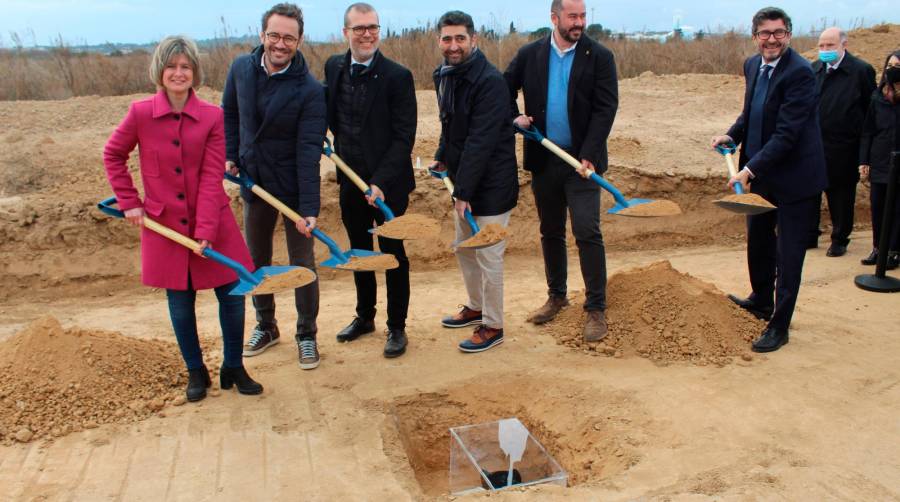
[372, 114]
[784, 162]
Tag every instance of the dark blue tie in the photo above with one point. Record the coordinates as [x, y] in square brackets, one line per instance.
[757, 104]
[356, 69]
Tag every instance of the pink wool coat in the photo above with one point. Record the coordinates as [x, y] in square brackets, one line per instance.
[182, 160]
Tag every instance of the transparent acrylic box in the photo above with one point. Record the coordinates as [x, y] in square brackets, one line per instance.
[479, 463]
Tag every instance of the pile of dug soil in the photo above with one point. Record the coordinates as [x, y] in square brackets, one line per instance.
[666, 316]
[57, 381]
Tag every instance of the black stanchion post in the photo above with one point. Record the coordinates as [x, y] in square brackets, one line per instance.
[880, 282]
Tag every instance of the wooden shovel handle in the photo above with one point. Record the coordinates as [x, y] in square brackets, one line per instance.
[572, 161]
[277, 204]
[339, 162]
[732, 170]
[448, 184]
[171, 234]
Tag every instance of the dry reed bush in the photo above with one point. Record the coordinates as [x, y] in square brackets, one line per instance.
[61, 73]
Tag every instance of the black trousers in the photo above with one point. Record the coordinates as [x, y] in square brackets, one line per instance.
[776, 248]
[841, 198]
[556, 188]
[878, 194]
[259, 227]
[359, 217]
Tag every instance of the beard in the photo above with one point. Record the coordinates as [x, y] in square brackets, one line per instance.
[571, 35]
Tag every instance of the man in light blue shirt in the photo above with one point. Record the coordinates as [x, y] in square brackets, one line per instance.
[571, 94]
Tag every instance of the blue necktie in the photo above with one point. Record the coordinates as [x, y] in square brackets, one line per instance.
[356, 69]
[757, 104]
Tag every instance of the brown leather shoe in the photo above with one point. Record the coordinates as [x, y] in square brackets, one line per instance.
[595, 328]
[548, 310]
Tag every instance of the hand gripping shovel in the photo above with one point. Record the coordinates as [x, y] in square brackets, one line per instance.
[266, 280]
[406, 227]
[646, 208]
[353, 259]
[740, 202]
[491, 234]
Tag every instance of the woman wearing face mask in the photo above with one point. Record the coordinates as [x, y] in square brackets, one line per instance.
[182, 160]
[879, 140]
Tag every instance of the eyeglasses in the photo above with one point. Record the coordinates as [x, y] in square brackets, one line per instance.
[778, 34]
[360, 30]
[288, 40]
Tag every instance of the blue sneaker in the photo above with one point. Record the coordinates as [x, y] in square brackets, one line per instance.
[465, 317]
[482, 339]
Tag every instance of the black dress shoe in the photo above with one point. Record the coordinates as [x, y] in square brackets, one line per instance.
[761, 313]
[836, 250]
[771, 340]
[893, 261]
[872, 259]
[357, 328]
[396, 343]
[198, 382]
[229, 377]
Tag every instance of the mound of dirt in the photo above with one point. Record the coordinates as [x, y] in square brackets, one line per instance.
[57, 381]
[666, 316]
[871, 44]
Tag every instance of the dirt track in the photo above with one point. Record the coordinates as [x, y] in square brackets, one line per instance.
[814, 421]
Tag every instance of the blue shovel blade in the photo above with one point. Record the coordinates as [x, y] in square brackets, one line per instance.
[631, 203]
[361, 253]
[336, 262]
[245, 287]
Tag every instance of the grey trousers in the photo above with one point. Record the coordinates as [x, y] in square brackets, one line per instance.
[482, 270]
[259, 227]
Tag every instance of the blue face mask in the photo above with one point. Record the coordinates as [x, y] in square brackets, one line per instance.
[828, 56]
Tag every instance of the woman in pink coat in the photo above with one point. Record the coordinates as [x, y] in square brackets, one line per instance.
[181, 141]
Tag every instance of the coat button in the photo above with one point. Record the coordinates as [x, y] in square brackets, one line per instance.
[177, 170]
[176, 116]
[176, 142]
[180, 196]
[184, 221]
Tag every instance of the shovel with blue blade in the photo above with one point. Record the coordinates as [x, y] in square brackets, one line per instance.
[741, 202]
[357, 260]
[481, 238]
[406, 227]
[266, 280]
[646, 208]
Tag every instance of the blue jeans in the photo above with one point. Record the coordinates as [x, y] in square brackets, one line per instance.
[184, 322]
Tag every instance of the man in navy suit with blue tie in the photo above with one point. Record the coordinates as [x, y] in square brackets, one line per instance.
[783, 161]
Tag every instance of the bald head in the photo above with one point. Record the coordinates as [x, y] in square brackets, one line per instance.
[833, 39]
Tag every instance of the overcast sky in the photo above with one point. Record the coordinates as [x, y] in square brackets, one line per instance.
[141, 21]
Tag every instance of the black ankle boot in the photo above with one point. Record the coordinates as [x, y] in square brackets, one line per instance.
[198, 381]
[239, 377]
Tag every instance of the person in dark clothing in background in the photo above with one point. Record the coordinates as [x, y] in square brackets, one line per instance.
[845, 85]
[478, 150]
[372, 114]
[881, 137]
[781, 151]
[275, 128]
[571, 92]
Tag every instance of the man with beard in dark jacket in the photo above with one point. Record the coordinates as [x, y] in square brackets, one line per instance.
[477, 149]
[372, 114]
[274, 130]
[845, 84]
[571, 92]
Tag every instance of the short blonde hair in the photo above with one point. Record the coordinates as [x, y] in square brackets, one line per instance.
[167, 49]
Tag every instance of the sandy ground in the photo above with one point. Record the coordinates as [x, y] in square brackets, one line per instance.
[814, 421]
